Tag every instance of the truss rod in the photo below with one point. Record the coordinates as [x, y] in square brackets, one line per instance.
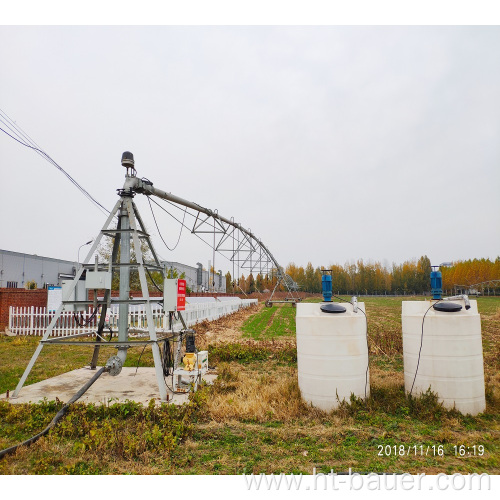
[142, 187]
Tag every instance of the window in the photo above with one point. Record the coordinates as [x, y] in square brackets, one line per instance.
[11, 284]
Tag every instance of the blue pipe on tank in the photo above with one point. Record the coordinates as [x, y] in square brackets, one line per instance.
[326, 284]
[436, 284]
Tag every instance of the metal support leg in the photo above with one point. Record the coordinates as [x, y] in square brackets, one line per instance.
[124, 279]
[107, 297]
[28, 369]
[145, 293]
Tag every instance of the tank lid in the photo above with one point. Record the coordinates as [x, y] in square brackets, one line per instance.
[448, 307]
[333, 308]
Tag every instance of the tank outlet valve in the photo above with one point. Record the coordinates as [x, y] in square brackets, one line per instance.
[354, 302]
[465, 298]
[114, 366]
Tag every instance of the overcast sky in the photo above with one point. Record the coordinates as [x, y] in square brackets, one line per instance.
[331, 143]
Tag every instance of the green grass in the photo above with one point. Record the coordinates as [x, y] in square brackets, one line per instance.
[251, 352]
[271, 322]
[15, 353]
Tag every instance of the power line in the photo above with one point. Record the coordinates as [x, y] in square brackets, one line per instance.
[180, 233]
[26, 141]
[19, 129]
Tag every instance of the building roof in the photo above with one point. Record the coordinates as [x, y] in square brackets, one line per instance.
[35, 256]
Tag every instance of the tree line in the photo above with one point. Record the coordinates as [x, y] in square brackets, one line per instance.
[360, 278]
[469, 273]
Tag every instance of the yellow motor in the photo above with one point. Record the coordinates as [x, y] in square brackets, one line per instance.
[189, 361]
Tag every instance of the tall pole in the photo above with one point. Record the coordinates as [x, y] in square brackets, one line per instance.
[124, 280]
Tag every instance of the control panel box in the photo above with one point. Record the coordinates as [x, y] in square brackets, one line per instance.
[202, 361]
[174, 295]
[98, 280]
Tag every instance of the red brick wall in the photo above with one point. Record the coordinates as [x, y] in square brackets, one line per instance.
[21, 298]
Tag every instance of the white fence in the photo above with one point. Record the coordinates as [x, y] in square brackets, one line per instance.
[35, 320]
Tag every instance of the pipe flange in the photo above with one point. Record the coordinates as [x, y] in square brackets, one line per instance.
[114, 366]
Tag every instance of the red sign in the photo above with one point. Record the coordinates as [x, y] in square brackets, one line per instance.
[181, 295]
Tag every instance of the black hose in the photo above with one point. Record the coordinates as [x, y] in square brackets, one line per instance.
[421, 343]
[58, 416]
[167, 359]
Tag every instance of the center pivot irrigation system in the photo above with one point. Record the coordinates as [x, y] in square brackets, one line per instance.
[229, 238]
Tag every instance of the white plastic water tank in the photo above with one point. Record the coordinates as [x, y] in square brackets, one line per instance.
[451, 361]
[332, 355]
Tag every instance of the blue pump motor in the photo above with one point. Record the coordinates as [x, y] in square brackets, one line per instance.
[436, 284]
[326, 284]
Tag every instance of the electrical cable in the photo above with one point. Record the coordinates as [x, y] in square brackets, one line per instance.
[58, 416]
[367, 346]
[367, 353]
[73, 181]
[139, 360]
[153, 281]
[140, 356]
[29, 143]
[180, 233]
[199, 370]
[81, 323]
[169, 358]
[421, 343]
[25, 135]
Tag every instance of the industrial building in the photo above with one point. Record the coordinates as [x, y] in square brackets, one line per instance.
[198, 279]
[17, 269]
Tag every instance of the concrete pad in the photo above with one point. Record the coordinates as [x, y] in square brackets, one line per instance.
[140, 388]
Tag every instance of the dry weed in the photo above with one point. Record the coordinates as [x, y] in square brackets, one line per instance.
[245, 394]
[384, 378]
